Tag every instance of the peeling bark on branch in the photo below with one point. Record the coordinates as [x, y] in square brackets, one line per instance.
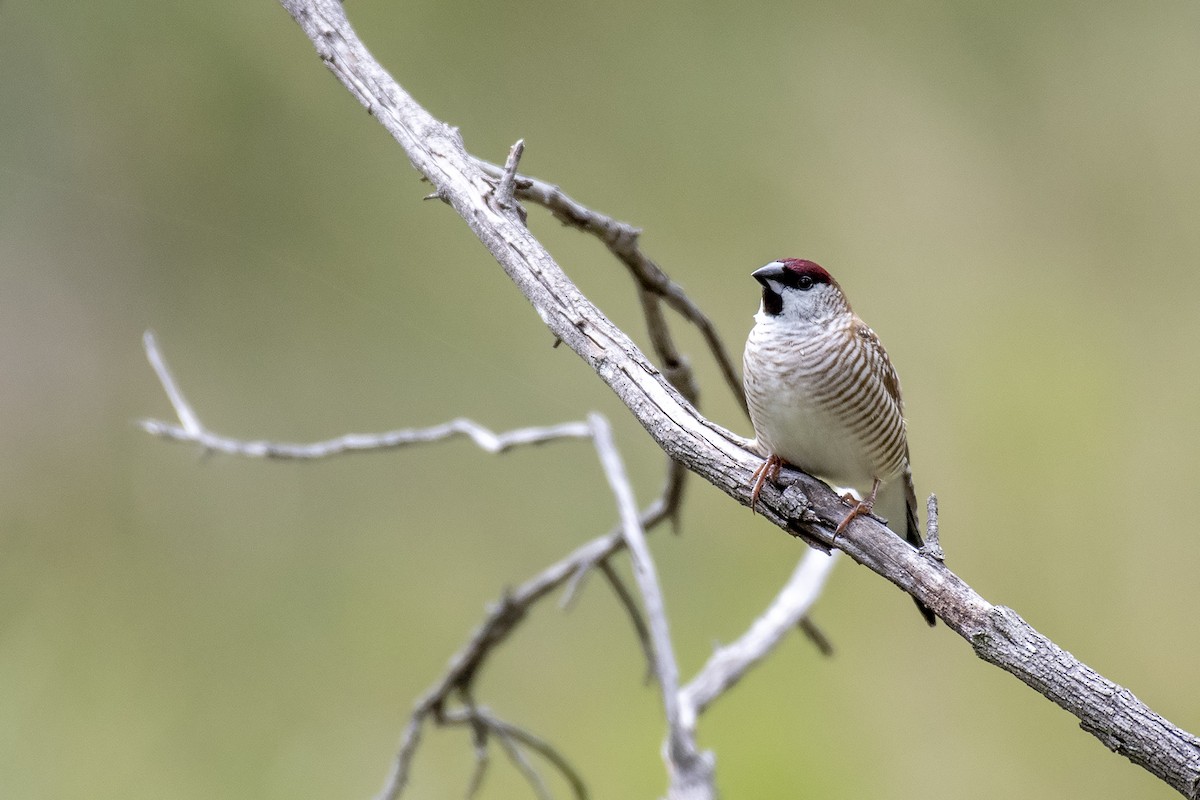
[807, 507]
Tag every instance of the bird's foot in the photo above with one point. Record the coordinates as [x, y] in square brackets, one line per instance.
[857, 508]
[767, 471]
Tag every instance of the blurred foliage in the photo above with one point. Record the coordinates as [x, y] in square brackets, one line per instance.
[1009, 193]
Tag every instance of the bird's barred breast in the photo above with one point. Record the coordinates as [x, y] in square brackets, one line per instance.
[821, 399]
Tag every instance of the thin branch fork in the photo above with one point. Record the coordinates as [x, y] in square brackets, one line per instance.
[654, 284]
[190, 429]
[691, 770]
[502, 619]
[512, 738]
[804, 509]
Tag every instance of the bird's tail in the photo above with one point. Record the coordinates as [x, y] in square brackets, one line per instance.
[912, 532]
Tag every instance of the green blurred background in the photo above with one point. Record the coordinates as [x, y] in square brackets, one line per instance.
[1009, 193]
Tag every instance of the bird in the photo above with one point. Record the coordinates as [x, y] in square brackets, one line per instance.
[824, 397]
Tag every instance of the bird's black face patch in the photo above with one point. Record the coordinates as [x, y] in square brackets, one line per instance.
[788, 274]
[772, 301]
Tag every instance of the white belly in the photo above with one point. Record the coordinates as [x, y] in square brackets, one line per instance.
[816, 442]
[784, 386]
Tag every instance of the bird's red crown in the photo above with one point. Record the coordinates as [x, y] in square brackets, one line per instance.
[803, 267]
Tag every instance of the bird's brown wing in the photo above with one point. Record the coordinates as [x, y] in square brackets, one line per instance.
[881, 362]
[891, 383]
[886, 436]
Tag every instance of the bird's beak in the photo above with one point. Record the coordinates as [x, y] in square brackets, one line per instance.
[771, 272]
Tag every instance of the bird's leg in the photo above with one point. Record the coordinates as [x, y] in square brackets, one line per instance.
[767, 471]
[861, 507]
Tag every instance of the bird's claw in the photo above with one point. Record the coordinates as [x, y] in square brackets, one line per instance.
[767, 471]
[858, 508]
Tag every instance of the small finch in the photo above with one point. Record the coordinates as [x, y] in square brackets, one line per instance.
[824, 397]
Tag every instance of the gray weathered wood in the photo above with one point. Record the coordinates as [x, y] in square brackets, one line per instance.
[807, 507]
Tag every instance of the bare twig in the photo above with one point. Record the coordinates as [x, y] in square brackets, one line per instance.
[621, 239]
[514, 735]
[366, 442]
[815, 635]
[183, 409]
[503, 195]
[522, 764]
[479, 745]
[631, 608]
[679, 372]
[690, 771]
[654, 287]
[502, 618]
[728, 664]
[997, 634]
[483, 728]
[190, 429]
[933, 545]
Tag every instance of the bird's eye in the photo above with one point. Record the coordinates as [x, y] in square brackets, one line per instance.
[804, 283]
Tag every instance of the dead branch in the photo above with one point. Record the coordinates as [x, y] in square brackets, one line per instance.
[621, 239]
[190, 429]
[728, 664]
[691, 770]
[806, 507]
